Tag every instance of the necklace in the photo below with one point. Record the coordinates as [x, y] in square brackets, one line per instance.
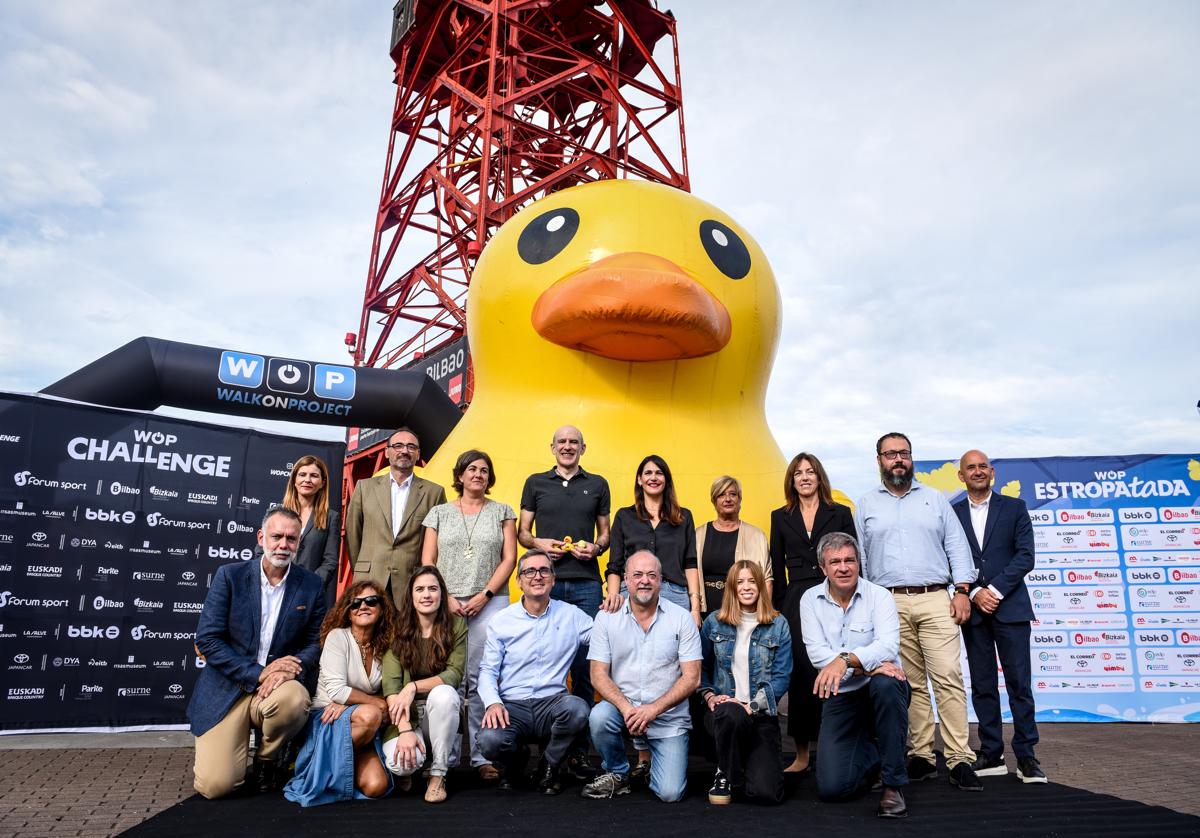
[364, 651]
[469, 551]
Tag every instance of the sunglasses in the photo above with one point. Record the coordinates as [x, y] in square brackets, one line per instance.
[371, 601]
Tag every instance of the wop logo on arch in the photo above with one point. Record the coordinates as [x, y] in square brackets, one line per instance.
[284, 375]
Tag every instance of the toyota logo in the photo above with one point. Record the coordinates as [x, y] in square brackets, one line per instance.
[40, 536]
[176, 688]
[21, 658]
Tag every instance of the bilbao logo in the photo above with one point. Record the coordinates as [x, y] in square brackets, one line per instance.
[118, 488]
[233, 527]
[100, 603]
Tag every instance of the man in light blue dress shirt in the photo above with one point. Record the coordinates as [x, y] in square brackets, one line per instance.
[523, 677]
[851, 631]
[914, 545]
[645, 663]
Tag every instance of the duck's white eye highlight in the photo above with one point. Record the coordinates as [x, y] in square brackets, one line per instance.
[720, 238]
[555, 223]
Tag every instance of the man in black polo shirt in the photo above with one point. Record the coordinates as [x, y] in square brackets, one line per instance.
[569, 508]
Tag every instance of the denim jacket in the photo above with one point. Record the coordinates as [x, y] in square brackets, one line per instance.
[770, 659]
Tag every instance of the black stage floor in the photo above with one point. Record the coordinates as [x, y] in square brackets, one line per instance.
[1005, 807]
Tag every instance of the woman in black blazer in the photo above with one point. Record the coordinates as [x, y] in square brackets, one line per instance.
[796, 527]
[307, 495]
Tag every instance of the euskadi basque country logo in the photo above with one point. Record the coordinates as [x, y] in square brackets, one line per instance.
[287, 382]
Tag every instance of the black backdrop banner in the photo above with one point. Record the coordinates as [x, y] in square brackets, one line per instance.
[112, 523]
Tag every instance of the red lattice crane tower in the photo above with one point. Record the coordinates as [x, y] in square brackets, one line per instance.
[497, 104]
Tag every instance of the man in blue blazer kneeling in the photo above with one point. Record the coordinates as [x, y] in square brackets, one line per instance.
[1001, 539]
[259, 634]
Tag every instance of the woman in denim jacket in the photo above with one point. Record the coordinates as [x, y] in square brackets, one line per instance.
[746, 670]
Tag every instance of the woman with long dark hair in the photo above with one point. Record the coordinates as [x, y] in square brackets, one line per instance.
[808, 513]
[473, 542]
[421, 674]
[746, 670]
[342, 756]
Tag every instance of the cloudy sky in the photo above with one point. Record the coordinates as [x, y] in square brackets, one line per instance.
[984, 218]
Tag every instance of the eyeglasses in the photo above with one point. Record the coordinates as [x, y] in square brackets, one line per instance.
[371, 601]
[404, 446]
[896, 455]
[531, 572]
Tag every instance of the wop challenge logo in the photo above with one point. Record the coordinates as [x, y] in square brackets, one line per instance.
[290, 384]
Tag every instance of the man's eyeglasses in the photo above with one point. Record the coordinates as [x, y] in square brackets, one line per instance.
[404, 446]
[371, 601]
[896, 455]
[531, 572]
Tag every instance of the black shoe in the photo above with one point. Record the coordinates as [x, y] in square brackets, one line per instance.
[891, 804]
[963, 776]
[549, 779]
[271, 776]
[505, 782]
[579, 766]
[720, 794]
[920, 769]
[639, 776]
[1029, 770]
[872, 780]
[989, 766]
[607, 786]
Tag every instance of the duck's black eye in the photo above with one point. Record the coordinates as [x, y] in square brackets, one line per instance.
[546, 236]
[726, 249]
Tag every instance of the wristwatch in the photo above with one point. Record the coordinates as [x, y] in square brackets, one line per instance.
[845, 656]
[487, 593]
[965, 590]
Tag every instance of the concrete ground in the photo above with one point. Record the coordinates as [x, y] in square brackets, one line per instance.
[101, 784]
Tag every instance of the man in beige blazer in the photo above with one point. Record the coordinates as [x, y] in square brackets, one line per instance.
[383, 520]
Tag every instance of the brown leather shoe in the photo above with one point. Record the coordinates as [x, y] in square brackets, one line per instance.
[891, 804]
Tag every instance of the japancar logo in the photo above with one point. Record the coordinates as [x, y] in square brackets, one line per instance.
[289, 379]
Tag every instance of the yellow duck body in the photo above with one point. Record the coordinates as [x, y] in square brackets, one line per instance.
[629, 359]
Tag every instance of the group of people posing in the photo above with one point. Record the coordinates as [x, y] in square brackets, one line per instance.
[849, 614]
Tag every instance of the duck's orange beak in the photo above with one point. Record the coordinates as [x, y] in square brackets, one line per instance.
[633, 307]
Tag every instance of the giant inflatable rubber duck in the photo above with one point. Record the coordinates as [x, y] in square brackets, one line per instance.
[644, 316]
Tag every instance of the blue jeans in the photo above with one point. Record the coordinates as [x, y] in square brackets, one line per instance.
[860, 730]
[671, 592]
[669, 756]
[585, 595]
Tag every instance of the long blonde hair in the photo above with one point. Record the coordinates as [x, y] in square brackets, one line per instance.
[731, 609]
[291, 498]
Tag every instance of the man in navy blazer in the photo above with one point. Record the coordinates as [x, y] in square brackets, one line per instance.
[1001, 538]
[259, 634]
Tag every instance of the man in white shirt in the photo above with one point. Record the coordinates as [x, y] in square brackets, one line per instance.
[259, 634]
[383, 519]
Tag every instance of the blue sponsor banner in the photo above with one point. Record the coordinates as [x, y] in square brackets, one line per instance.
[1116, 586]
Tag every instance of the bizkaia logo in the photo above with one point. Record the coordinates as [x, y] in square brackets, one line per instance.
[93, 632]
[28, 478]
[109, 516]
[157, 519]
[163, 494]
[132, 692]
[1152, 638]
[100, 603]
[118, 488]
[245, 554]
[234, 527]
[7, 599]
[147, 604]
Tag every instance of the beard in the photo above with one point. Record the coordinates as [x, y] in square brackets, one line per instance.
[643, 598]
[899, 480]
[280, 558]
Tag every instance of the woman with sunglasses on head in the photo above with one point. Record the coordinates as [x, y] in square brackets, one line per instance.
[808, 513]
[746, 669]
[421, 674]
[307, 495]
[473, 542]
[342, 757]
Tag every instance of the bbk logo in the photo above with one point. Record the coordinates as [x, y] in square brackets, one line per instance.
[110, 516]
[1153, 638]
[100, 603]
[245, 554]
[94, 632]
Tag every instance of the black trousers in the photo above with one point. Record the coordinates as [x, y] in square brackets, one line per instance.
[748, 751]
[1011, 640]
[804, 708]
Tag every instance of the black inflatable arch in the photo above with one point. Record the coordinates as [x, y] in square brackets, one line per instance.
[147, 373]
